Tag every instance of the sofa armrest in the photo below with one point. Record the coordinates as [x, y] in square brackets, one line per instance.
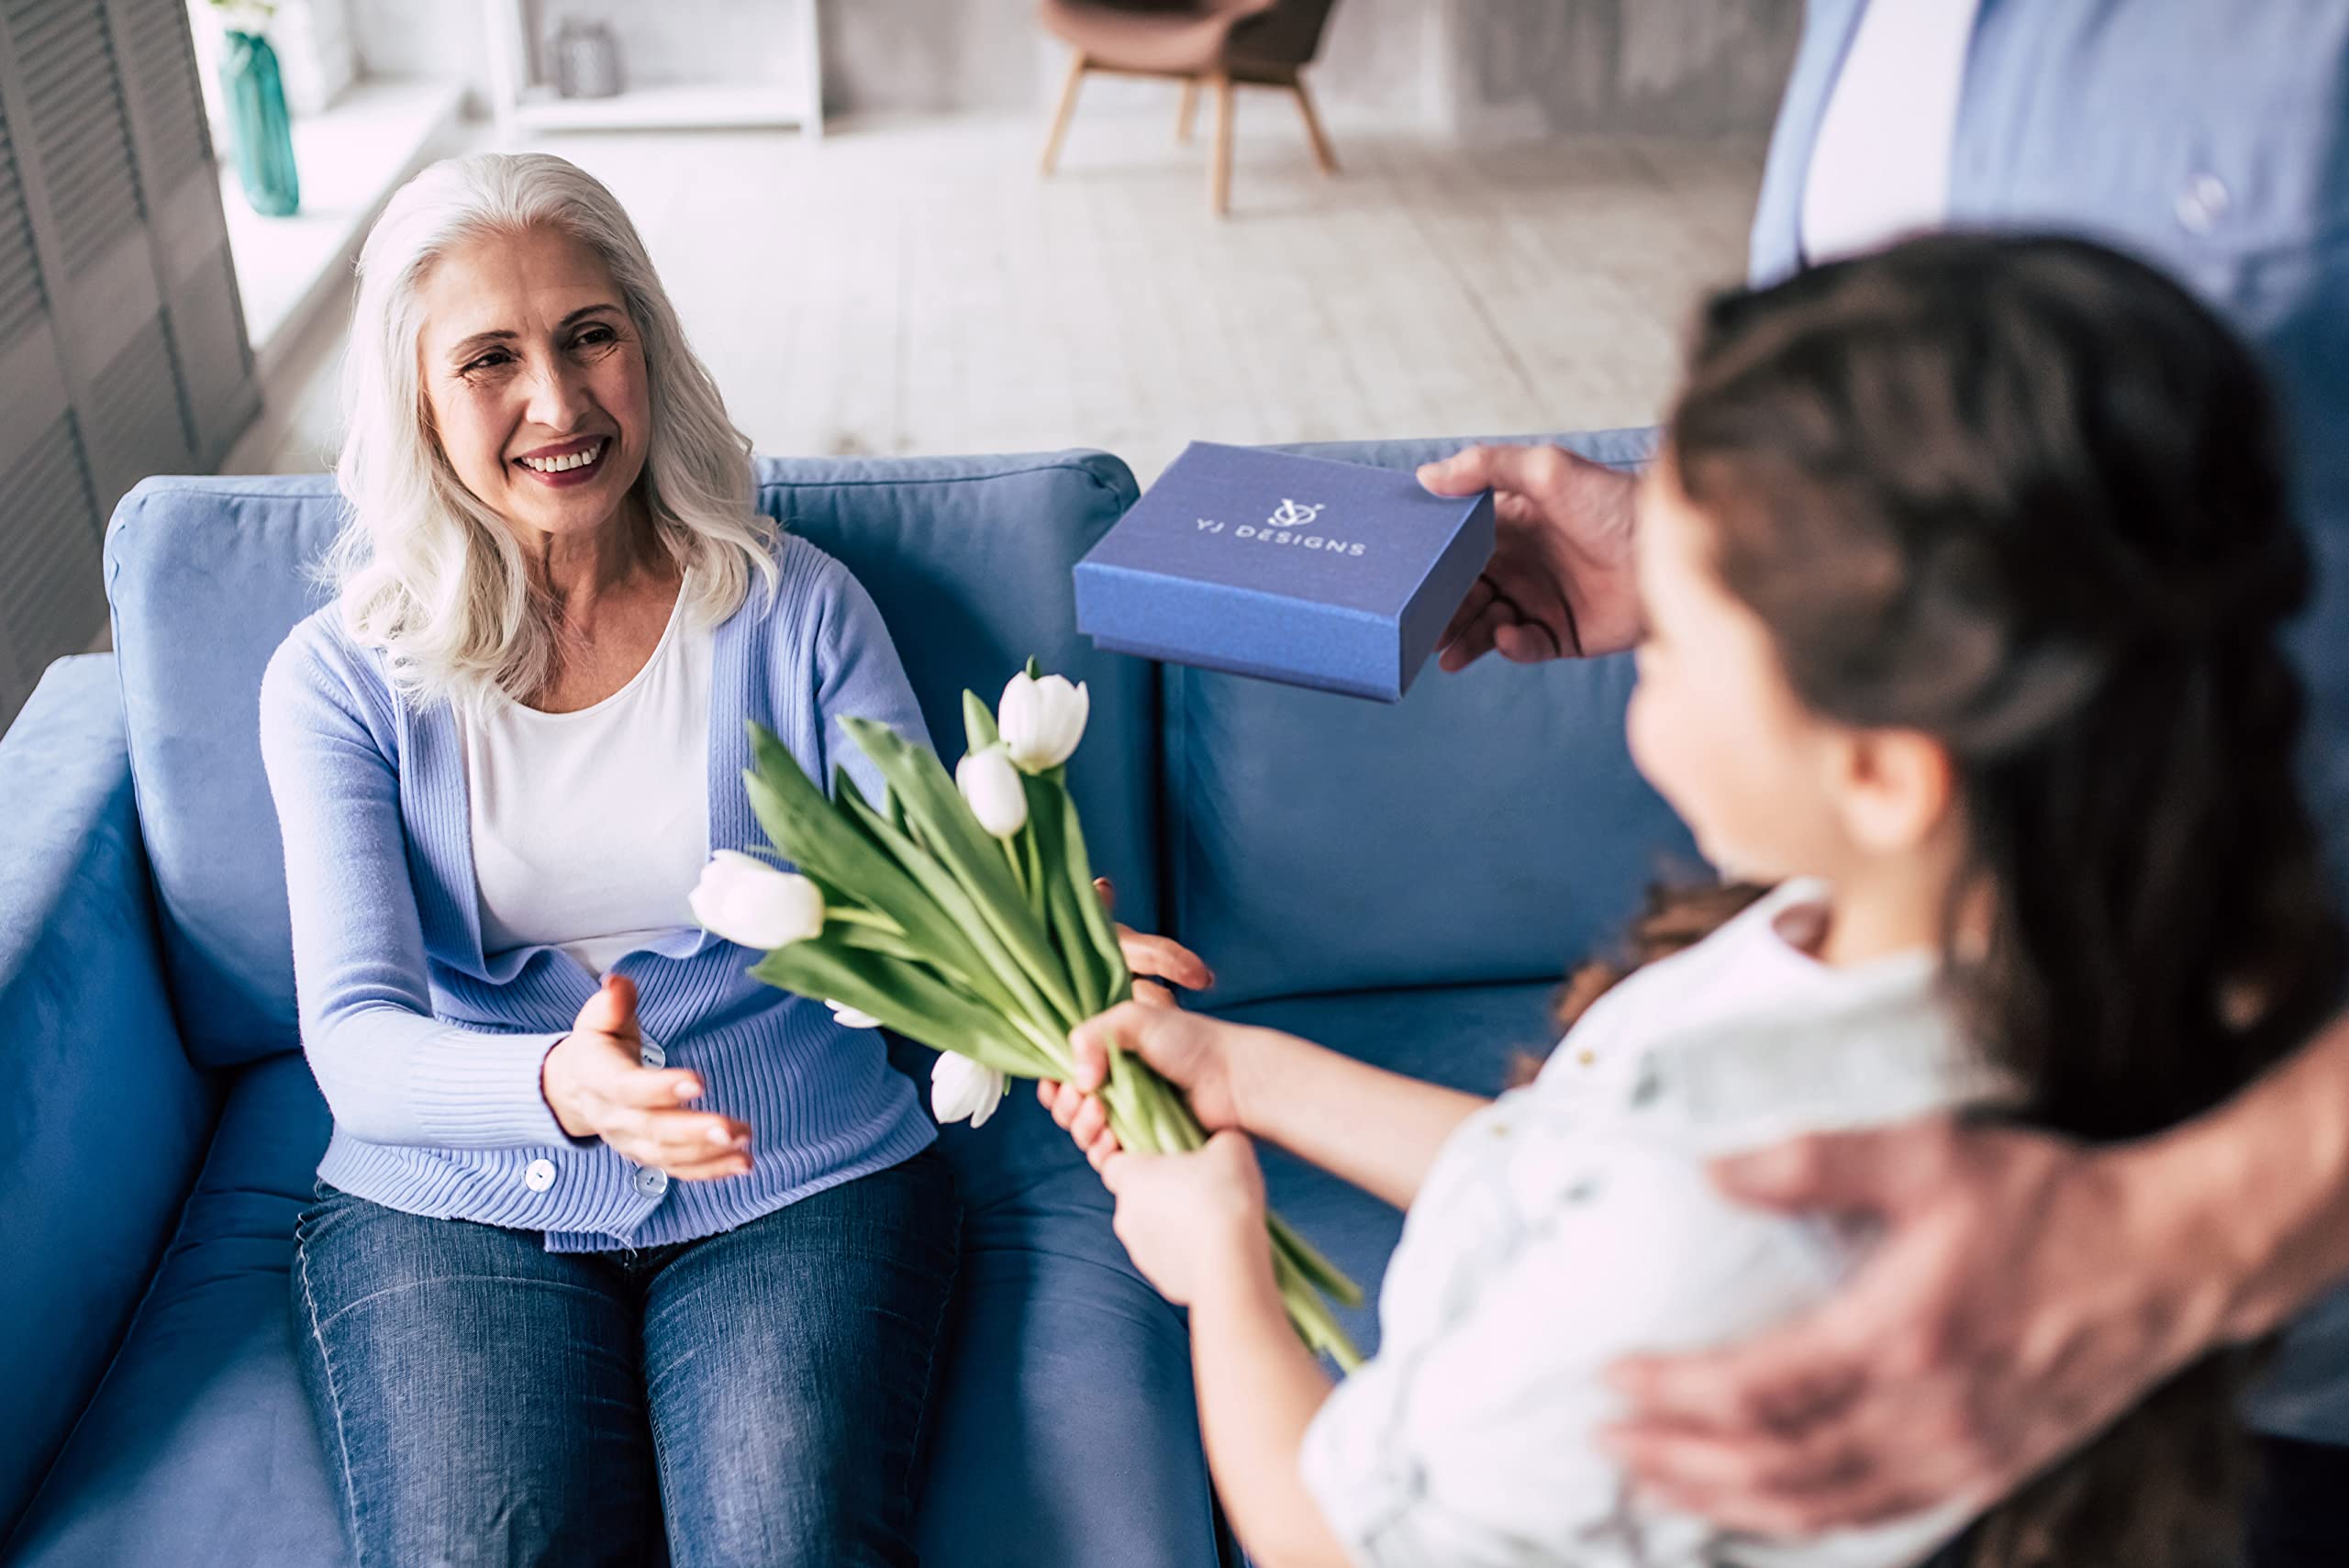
[103, 1121]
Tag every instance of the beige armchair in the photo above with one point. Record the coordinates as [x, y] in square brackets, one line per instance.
[1219, 45]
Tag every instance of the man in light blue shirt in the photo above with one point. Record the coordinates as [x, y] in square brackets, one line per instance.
[2028, 1292]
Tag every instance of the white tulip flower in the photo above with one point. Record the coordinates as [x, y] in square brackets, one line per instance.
[991, 785]
[960, 1088]
[1042, 722]
[745, 900]
[848, 1018]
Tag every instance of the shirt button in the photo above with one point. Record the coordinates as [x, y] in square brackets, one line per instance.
[652, 1055]
[539, 1176]
[652, 1183]
[2203, 201]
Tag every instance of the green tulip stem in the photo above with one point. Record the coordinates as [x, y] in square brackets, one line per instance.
[1311, 1317]
[1032, 875]
[871, 919]
[1051, 1047]
[1120, 1096]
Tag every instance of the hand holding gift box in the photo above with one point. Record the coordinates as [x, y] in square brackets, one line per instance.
[1293, 569]
[961, 912]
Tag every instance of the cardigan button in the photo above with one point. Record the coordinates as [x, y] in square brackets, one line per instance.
[539, 1176]
[651, 1055]
[652, 1183]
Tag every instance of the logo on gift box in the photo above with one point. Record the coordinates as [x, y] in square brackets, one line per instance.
[1289, 526]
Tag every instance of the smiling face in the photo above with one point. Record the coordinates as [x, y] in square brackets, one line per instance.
[533, 377]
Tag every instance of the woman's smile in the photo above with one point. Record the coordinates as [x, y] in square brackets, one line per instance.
[566, 463]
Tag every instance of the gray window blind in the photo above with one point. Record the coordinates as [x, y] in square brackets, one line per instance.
[122, 348]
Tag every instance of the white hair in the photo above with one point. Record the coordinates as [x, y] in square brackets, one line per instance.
[423, 569]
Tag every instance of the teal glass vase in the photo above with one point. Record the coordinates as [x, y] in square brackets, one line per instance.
[259, 127]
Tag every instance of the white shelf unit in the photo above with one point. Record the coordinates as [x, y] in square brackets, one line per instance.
[794, 97]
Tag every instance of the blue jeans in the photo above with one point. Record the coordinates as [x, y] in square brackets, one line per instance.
[483, 1400]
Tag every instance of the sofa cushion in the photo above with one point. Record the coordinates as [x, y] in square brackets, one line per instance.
[198, 1447]
[1489, 827]
[103, 1120]
[1465, 1037]
[968, 559]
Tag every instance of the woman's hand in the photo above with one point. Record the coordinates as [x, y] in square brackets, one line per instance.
[1152, 960]
[1190, 1050]
[1559, 583]
[1193, 1222]
[596, 1087]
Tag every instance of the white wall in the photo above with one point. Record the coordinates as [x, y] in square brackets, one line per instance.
[1478, 69]
[440, 39]
[1684, 67]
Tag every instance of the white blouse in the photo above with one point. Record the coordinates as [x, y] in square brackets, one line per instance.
[1573, 1223]
[590, 829]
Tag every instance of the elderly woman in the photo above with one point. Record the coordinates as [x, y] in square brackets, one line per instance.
[608, 1235]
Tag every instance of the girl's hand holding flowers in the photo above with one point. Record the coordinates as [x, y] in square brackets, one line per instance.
[1192, 1052]
[1194, 1223]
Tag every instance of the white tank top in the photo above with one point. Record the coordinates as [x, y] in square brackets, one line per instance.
[589, 829]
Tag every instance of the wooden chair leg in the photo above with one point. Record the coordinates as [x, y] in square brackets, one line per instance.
[1066, 112]
[1321, 151]
[1186, 115]
[1219, 164]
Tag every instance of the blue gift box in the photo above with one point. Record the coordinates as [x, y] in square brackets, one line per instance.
[1294, 569]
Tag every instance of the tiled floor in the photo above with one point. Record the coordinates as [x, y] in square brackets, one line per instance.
[918, 288]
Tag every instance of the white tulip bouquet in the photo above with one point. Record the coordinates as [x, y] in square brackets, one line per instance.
[962, 914]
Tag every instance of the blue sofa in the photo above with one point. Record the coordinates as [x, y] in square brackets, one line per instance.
[1404, 882]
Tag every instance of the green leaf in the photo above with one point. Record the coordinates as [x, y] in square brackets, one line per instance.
[1035, 670]
[905, 998]
[1030, 868]
[865, 937]
[1071, 936]
[1111, 957]
[862, 814]
[975, 858]
[826, 844]
[978, 724]
[989, 964]
[845, 787]
[797, 815]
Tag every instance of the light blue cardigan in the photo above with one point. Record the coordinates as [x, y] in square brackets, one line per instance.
[428, 1050]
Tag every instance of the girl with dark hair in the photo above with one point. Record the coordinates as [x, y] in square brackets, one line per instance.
[1962, 575]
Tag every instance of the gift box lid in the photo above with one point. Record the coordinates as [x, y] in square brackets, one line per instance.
[1327, 575]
